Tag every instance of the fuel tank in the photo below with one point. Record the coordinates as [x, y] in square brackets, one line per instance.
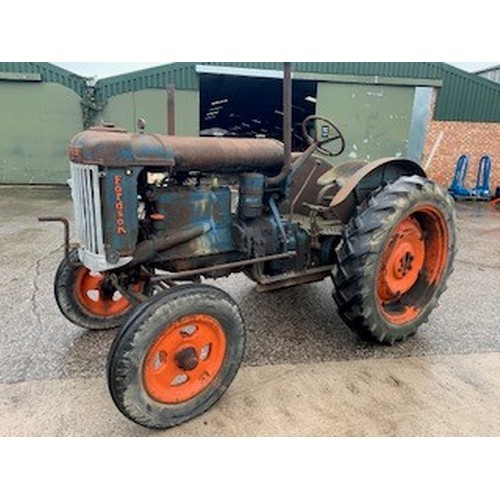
[109, 146]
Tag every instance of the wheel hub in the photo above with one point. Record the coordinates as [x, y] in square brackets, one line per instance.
[98, 295]
[186, 359]
[405, 264]
[403, 260]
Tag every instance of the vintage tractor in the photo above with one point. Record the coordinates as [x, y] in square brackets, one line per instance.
[155, 214]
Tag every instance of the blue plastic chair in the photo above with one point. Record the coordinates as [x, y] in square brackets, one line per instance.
[482, 189]
[457, 188]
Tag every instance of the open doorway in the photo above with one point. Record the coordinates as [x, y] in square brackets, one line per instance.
[240, 106]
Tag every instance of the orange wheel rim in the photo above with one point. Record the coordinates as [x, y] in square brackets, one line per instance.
[98, 298]
[185, 359]
[412, 264]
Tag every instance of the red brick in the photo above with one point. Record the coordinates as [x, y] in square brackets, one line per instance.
[458, 138]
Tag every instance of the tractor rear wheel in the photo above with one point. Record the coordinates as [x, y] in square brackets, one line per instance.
[88, 299]
[394, 259]
[176, 356]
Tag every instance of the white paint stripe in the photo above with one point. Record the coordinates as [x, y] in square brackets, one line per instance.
[434, 150]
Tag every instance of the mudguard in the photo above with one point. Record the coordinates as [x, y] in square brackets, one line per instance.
[358, 180]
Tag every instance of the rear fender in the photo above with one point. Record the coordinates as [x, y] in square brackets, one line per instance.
[358, 183]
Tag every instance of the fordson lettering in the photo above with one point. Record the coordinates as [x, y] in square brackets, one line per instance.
[120, 220]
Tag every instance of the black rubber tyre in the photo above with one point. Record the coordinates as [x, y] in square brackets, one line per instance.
[154, 328]
[71, 305]
[367, 255]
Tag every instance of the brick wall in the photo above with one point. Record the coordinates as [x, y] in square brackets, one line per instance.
[457, 138]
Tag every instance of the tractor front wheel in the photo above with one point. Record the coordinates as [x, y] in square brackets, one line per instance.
[88, 298]
[394, 259]
[176, 356]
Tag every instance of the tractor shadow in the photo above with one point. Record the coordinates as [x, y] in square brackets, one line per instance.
[87, 355]
[301, 325]
[297, 325]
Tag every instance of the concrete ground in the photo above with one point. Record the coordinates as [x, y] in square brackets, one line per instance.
[304, 372]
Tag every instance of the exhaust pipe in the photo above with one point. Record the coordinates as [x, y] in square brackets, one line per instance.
[287, 126]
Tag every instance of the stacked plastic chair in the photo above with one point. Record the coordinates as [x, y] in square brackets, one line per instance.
[457, 188]
[481, 191]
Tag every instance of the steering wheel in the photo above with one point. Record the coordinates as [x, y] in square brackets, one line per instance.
[328, 133]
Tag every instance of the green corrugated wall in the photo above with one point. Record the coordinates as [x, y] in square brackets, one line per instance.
[37, 121]
[467, 97]
[151, 104]
[49, 73]
[462, 97]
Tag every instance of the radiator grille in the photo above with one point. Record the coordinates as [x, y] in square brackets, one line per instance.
[87, 207]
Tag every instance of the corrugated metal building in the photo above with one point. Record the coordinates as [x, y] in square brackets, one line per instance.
[40, 110]
[492, 73]
[383, 108]
[462, 97]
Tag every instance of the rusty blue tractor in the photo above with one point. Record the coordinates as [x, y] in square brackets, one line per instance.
[155, 214]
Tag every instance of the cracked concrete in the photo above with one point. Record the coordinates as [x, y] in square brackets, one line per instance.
[52, 373]
[34, 308]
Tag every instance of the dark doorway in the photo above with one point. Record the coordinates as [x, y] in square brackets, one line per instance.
[237, 106]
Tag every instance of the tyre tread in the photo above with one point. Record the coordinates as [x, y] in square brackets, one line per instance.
[358, 250]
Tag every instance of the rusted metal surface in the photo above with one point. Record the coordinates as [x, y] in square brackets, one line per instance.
[359, 180]
[171, 109]
[147, 249]
[287, 128]
[324, 227]
[287, 113]
[251, 196]
[495, 204]
[299, 179]
[292, 278]
[65, 223]
[340, 173]
[222, 267]
[187, 359]
[185, 207]
[110, 147]
[305, 185]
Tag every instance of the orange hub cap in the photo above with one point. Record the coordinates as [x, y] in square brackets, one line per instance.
[412, 263]
[185, 359]
[97, 298]
[403, 260]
